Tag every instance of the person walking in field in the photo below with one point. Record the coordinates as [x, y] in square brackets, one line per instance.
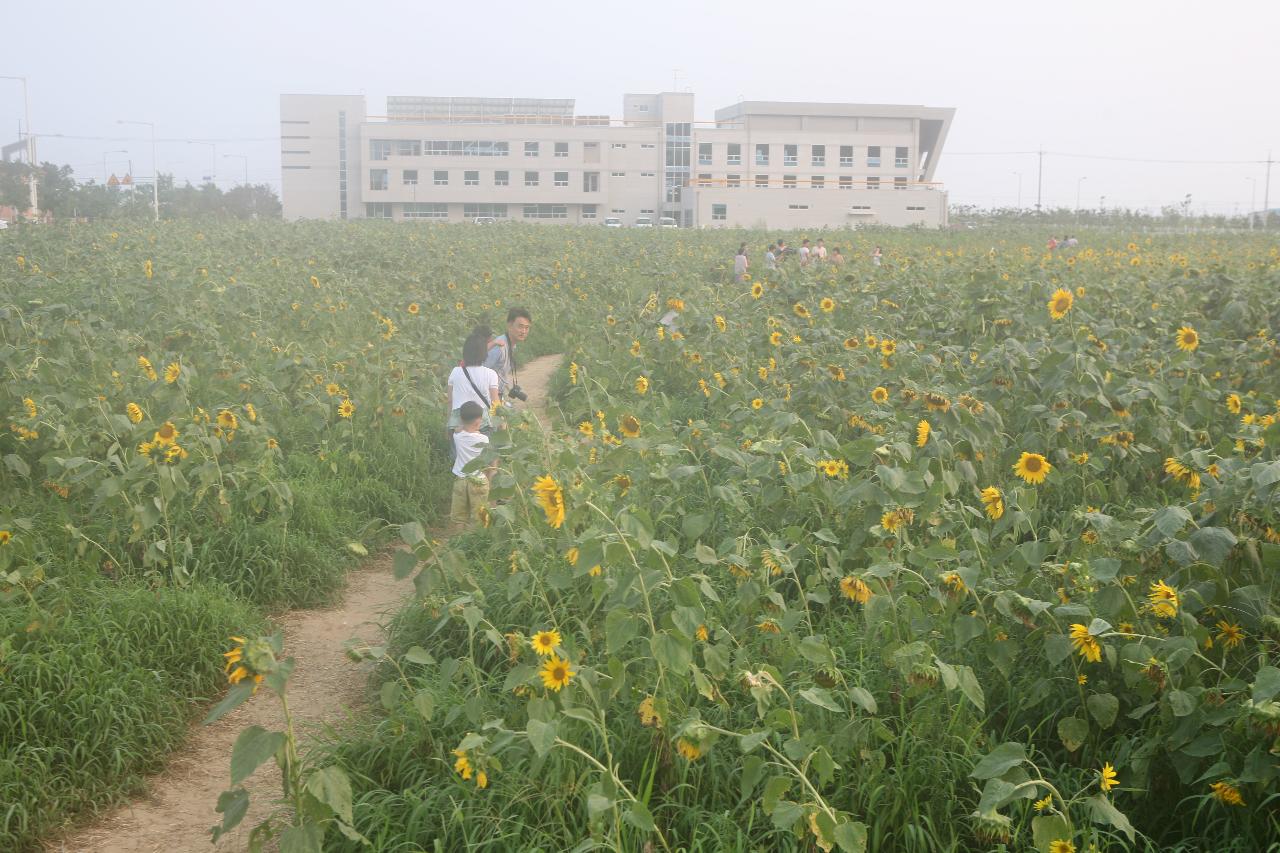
[472, 382]
[836, 258]
[740, 264]
[821, 250]
[502, 355]
[470, 488]
[877, 257]
[804, 253]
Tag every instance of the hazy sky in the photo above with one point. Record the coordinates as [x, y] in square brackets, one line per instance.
[1172, 80]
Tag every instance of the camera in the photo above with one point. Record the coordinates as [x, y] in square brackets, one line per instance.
[517, 393]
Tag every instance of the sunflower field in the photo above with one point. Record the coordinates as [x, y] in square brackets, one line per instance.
[974, 550]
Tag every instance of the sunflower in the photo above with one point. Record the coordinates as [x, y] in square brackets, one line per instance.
[688, 749]
[1163, 600]
[1227, 794]
[134, 411]
[880, 394]
[834, 468]
[893, 520]
[5, 537]
[587, 428]
[1233, 403]
[1085, 643]
[346, 408]
[551, 498]
[1061, 845]
[642, 384]
[1060, 303]
[623, 482]
[871, 341]
[166, 435]
[629, 426]
[827, 305]
[775, 338]
[635, 348]
[1107, 778]
[172, 372]
[241, 659]
[545, 642]
[272, 444]
[922, 433]
[1032, 467]
[852, 343]
[1187, 339]
[1229, 635]
[144, 364]
[332, 389]
[556, 673]
[888, 347]
[721, 325]
[757, 290]
[800, 311]
[855, 589]
[757, 403]
[414, 308]
[993, 502]
[462, 766]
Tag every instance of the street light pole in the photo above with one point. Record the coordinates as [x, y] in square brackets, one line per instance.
[1253, 198]
[1079, 181]
[155, 168]
[245, 158]
[214, 146]
[31, 145]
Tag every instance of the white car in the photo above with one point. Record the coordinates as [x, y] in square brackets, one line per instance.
[485, 220]
[612, 222]
[643, 222]
[668, 222]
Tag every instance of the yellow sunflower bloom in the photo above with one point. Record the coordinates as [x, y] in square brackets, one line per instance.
[1032, 467]
[1187, 339]
[556, 673]
[922, 433]
[993, 502]
[551, 498]
[1060, 303]
[545, 642]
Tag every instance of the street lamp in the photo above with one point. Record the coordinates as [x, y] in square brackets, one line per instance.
[1019, 174]
[106, 176]
[31, 144]
[1253, 197]
[155, 168]
[245, 158]
[214, 146]
[1079, 181]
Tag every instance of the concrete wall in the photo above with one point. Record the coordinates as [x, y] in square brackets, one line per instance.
[814, 209]
[309, 146]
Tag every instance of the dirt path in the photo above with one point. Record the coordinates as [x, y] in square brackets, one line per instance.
[175, 814]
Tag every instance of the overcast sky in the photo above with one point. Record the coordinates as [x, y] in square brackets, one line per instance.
[1172, 80]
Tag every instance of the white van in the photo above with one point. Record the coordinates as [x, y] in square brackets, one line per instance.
[668, 222]
[612, 222]
[644, 222]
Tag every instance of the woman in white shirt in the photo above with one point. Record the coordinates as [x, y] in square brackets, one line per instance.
[471, 380]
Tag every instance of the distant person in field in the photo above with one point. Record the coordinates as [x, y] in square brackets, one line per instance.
[877, 257]
[1072, 242]
[502, 356]
[470, 488]
[804, 253]
[821, 250]
[1053, 243]
[740, 264]
[771, 257]
[783, 249]
[471, 381]
[836, 258]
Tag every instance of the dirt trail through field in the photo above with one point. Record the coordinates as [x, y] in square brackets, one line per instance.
[175, 813]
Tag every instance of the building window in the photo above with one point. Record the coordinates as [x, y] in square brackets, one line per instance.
[530, 179]
[900, 157]
[846, 182]
[342, 164]
[846, 156]
[617, 145]
[788, 182]
[647, 145]
[591, 182]
[790, 155]
[471, 179]
[501, 179]
[617, 174]
[704, 153]
[379, 149]
[648, 174]
[762, 154]
[797, 207]
[818, 182]
[646, 210]
[735, 154]
[377, 209]
[465, 148]
[531, 149]
[819, 155]
[704, 179]
[497, 211]
[873, 183]
[562, 149]
[618, 210]
[588, 211]
[643, 108]
[560, 179]
[440, 177]
[719, 212]
[733, 181]
[410, 177]
[408, 148]
[915, 207]
[377, 179]
[546, 211]
[873, 156]
[762, 181]
[425, 210]
[859, 207]
[899, 183]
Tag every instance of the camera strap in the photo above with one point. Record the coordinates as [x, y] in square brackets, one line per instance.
[482, 395]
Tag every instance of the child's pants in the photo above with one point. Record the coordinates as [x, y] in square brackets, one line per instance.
[470, 495]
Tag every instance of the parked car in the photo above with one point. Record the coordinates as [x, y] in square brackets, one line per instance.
[612, 222]
[644, 222]
[668, 222]
[485, 220]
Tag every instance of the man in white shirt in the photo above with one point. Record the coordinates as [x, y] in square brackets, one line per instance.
[502, 358]
[804, 253]
[470, 488]
[770, 258]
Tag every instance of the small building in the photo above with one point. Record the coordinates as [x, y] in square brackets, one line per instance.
[773, 164]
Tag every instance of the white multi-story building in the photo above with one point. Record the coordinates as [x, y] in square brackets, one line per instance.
[774, 164]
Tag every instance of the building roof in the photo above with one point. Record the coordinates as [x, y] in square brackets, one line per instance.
[816, 108]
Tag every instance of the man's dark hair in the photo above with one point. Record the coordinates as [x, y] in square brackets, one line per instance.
[518, 312]
[804, 242]
[470, 412]
[475, 348]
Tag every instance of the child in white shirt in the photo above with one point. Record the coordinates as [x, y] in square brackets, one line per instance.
[470, 489]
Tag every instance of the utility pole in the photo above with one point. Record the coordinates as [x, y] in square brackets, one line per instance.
[1039, 177]
[31, 146]
[1266, 194]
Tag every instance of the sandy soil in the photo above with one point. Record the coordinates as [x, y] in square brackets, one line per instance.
[176, 812]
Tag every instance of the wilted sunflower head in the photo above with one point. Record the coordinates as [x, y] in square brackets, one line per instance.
[629, 426]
